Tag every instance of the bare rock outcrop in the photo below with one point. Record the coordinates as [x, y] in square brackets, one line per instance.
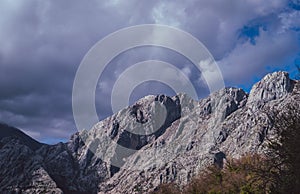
[158, 139]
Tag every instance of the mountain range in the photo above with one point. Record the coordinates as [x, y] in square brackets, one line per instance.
[158, 139]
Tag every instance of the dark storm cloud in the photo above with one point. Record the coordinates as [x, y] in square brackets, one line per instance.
[43, 42]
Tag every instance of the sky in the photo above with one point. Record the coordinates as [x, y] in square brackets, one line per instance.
[43, 42]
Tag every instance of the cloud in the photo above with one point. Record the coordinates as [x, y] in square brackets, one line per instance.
[247, 59]
[43, 42]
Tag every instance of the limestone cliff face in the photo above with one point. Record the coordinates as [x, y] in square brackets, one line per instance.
[158, 139]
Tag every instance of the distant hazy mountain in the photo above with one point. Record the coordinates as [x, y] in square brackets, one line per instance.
[180, 137]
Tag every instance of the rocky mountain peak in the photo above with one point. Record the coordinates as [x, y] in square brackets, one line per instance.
[224, 102]
[158, 139]
[273, 86]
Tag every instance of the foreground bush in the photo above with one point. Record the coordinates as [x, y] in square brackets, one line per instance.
[245, 175]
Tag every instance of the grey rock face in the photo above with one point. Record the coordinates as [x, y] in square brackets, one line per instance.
[22, 171]
[271, 87]
[159, 139]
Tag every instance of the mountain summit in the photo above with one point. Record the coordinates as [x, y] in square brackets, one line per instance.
[157, 140]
